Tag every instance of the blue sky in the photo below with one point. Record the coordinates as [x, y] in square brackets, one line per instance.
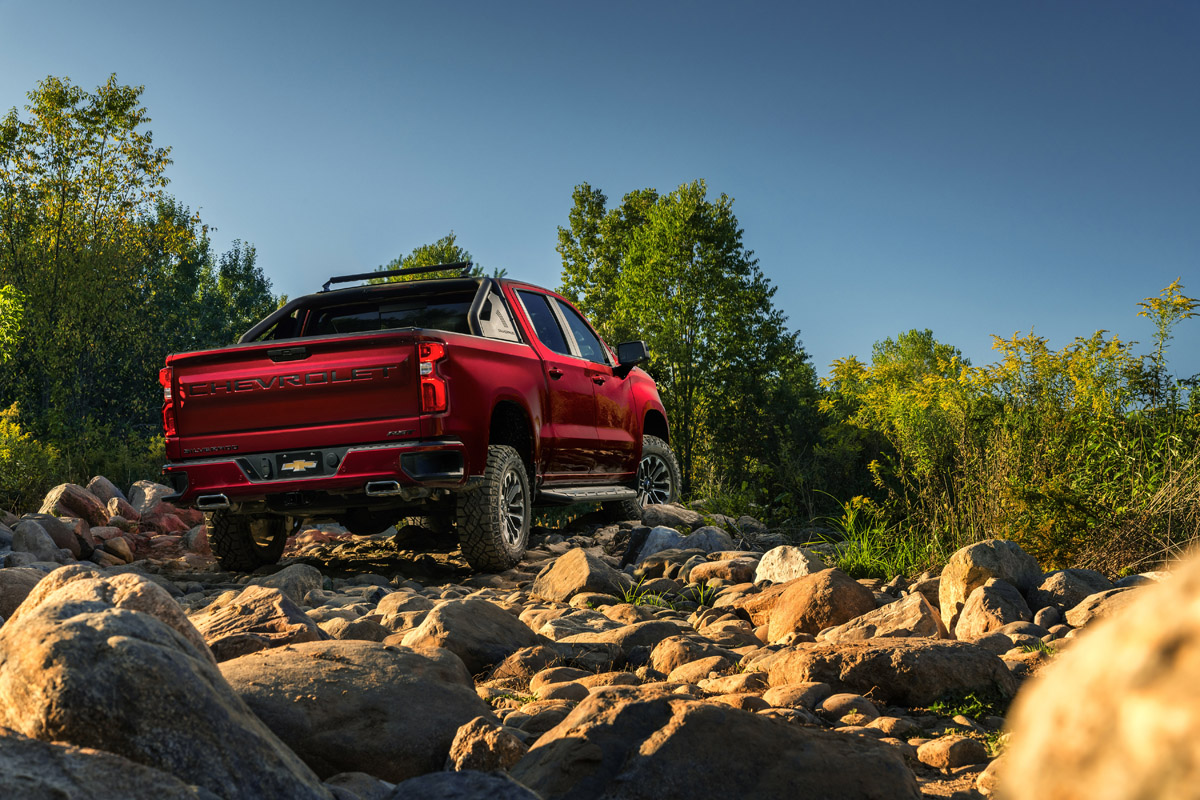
[974, 168]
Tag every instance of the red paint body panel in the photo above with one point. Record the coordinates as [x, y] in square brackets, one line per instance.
[359, 389]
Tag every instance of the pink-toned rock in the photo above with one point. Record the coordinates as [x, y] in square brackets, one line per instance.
[120, 507]
[196, 541]
[818, 601]
[72, 500]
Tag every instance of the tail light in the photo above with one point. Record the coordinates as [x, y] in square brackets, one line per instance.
[433, 386]
[164, 378]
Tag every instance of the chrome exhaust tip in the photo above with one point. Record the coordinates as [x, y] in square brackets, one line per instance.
[212, 502]
[383, 488]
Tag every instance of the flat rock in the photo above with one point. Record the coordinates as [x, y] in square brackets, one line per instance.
[904, 672]
[1098, 606]
[646, 744]
[912, 615]
[257, 618]
[353, 706]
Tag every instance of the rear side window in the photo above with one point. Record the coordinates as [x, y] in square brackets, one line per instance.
[589, 345]
[544, 323]
[440, 313]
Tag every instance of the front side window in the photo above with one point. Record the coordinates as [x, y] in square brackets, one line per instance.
[589, 345]
[545, 325]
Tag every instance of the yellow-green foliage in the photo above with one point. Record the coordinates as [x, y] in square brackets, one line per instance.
[27, 467]
[1085, 454]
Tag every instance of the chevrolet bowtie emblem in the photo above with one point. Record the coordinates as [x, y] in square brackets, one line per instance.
[298, 466]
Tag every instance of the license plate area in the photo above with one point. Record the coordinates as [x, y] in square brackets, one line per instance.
[303, 464]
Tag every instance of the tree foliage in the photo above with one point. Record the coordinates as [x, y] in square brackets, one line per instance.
[672, 269]
[109, 272]
[445, 250]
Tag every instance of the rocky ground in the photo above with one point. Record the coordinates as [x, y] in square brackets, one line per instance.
[682, 655]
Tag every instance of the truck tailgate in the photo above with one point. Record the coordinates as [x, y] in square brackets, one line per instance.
[344, 382]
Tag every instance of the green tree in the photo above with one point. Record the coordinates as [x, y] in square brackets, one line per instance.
[11, 311]
[113, 273]
[672, 270]
[445, 250]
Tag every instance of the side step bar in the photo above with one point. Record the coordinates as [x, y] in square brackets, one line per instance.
[585, 494]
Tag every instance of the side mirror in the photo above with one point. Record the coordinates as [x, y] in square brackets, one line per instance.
[629, 355]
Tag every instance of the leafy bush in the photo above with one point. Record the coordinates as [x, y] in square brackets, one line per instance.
[28, 468]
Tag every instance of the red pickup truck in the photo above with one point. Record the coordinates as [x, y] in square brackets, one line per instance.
[465, 400]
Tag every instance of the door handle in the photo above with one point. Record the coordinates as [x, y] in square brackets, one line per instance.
[599, 380]
[555, 373]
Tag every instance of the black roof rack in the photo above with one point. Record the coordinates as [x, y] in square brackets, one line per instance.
[463, 266]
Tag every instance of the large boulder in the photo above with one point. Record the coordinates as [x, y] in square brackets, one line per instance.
[818, 601]
[1067, 588]
[575, 572]
[355, 706]
[787, 562]
[989, 608]
[30, 537]
[86, 665]
[33, 769]
[1117, 714]
[257, 618]
[910, 616]
[478, 632]
[647, 633]
[15, 585]
[905, 672]
[757, 605]
[72, 500]
[972, 566]
[645, 744]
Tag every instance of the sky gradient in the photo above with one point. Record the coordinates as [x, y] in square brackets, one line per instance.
[973, 168]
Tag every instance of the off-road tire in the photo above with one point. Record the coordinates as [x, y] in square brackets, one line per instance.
[659, 479]
[488, 533]
[243, 543]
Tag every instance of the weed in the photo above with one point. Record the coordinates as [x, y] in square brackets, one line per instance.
[638, 596]
[1040, 647]
[969, 705]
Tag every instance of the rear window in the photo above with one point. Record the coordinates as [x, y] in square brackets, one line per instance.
[443, 312]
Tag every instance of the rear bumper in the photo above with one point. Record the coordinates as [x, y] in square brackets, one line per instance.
[440, 463]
